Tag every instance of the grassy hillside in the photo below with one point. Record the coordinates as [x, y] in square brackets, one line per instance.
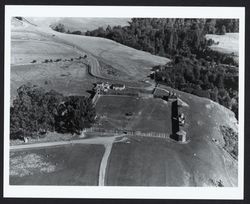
[107, 59]
[204, 161]
[66, 165]
[228, 43]
[81, 24]
[201, 162]
[24, 51]
[114, 110]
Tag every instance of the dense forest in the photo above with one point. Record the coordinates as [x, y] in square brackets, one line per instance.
[35, 112]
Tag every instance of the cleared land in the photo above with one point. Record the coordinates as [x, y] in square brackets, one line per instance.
[25, 51]
[107, 59]
[150, 162]
[156, 162]
[201, 162]
[228, 43]
[68, 78]
[136, 64]
[63, 165]
[132, 113]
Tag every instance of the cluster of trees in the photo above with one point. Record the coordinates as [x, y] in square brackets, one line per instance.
[216, 82]
[61, 28]
[170, 37]
[35, 111]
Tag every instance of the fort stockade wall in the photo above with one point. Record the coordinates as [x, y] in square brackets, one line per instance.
[104, 132]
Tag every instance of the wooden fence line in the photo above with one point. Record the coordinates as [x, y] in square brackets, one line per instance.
[103, 131]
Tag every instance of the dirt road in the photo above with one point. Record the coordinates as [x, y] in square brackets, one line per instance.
[103, 165]
[95, 140]
[106, 141]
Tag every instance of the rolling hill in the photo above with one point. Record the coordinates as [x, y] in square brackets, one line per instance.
[107, 59]
[81, 24]
[149, 162]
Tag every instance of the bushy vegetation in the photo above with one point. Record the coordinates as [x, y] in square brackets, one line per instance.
[35, 111]
[231, 141]
[74, 114]
[61, 28]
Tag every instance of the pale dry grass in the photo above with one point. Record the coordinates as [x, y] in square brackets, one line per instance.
[25, 51]
[79, 23]
[228, 43]
[69, 78]
[133, 63]
[24, 165]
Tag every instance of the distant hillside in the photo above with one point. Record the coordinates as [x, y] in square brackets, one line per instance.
[80, 24]
[33, 45]
[228, 43]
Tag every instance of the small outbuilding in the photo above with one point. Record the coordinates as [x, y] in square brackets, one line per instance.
[118, 87]
[25, 139]
[181, 136]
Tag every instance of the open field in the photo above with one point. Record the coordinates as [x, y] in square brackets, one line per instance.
[228, 43]
[31, 42]
[136, 64]
[63, 165]
[68, 78]
[201, 162]
[25, 51]
[152, 162]
[146, 115]
[133, 63]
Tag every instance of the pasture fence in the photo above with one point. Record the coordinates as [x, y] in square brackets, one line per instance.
[105, 132]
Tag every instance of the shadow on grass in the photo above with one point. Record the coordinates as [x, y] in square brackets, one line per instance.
[174, 118]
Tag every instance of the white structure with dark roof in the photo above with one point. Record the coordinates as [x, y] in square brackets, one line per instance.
[118, 87]
[181, 136]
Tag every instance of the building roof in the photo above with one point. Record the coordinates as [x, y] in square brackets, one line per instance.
[118, 85]
[181, 132]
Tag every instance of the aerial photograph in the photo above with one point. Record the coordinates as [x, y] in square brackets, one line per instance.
[124, 102]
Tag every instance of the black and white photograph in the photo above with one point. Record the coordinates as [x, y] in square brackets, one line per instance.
[101, 99]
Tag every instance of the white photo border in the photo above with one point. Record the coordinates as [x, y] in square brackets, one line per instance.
[124, 192]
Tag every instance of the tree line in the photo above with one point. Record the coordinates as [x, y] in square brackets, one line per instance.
[216, 82]
[169, 37]
[35, 111]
